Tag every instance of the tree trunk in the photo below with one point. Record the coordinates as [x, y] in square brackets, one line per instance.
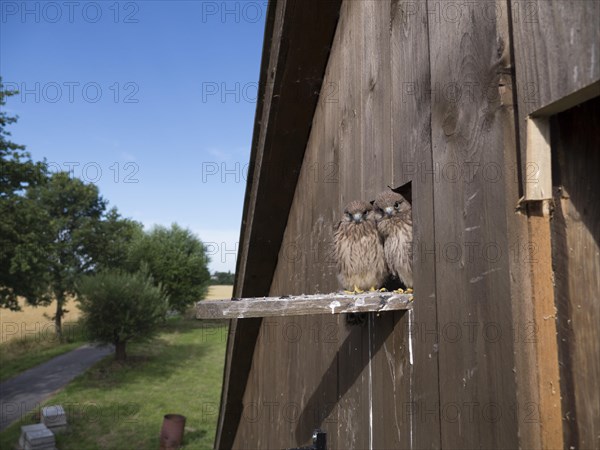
[120, 354]
[60, 300]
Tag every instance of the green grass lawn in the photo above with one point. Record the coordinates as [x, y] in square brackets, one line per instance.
[118, 406]
[18, 355]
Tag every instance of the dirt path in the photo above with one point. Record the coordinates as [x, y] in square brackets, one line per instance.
[23, 393]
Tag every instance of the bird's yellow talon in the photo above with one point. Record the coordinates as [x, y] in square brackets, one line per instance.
[348, 292]
[409, 291]
[357, 290]
[399, 291]
[383, 290]
[372, 289]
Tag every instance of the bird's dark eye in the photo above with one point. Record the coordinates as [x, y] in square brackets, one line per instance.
[396, 204]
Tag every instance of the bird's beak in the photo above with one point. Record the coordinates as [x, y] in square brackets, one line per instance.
[357, 217]
[389, 210]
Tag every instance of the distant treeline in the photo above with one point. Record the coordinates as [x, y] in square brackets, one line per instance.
[222, 278]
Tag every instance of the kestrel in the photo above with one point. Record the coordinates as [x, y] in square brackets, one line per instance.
[394, 222]
[359, 249]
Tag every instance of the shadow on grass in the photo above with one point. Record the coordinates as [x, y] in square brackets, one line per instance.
[181, 324]
[192, 437]
[158, 358]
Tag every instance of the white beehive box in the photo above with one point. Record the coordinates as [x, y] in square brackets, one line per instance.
[36, 437]
[54, 418]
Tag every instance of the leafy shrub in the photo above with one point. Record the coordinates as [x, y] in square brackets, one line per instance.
[119, 307]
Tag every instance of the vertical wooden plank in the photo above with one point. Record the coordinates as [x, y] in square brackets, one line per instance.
[350, 30]
[353, 353]
[576, 261]
[410, 98]
[390, 380]
[314, 357]
[472, 277]
[387, 377]
[548, 408]
[375, 84]
[526, 410]
[325, 175]
[327, 208]
[331, 170]
[412, 161]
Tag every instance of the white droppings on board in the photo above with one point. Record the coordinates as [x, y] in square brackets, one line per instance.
[334, 305]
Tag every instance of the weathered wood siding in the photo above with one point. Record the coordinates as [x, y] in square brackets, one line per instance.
[425, 92]
[353, 381]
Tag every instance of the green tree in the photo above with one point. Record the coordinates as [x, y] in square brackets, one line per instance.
[52, 228]
[177, 260]
[72, 211]
[120, 307]
[109, 240]
[24, 247]
[222, 278]
[17, 170]
[22, 268]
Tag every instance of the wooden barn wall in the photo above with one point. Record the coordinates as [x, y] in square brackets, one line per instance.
[557, 44]
[352, 381]
[422, 92]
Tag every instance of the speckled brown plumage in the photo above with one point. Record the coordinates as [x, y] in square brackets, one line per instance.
[359, 249]
[394, 223]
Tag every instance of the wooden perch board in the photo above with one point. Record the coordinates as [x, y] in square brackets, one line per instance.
[301, 305]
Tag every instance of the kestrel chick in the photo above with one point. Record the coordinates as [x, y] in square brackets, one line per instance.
[358, 249]
[394, 223]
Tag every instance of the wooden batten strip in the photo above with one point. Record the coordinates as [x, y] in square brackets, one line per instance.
[302, 305]
[538, 171]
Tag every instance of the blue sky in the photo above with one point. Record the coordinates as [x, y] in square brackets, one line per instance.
[153, 101]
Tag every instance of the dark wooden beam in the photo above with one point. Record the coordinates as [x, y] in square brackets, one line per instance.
[298, 38]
